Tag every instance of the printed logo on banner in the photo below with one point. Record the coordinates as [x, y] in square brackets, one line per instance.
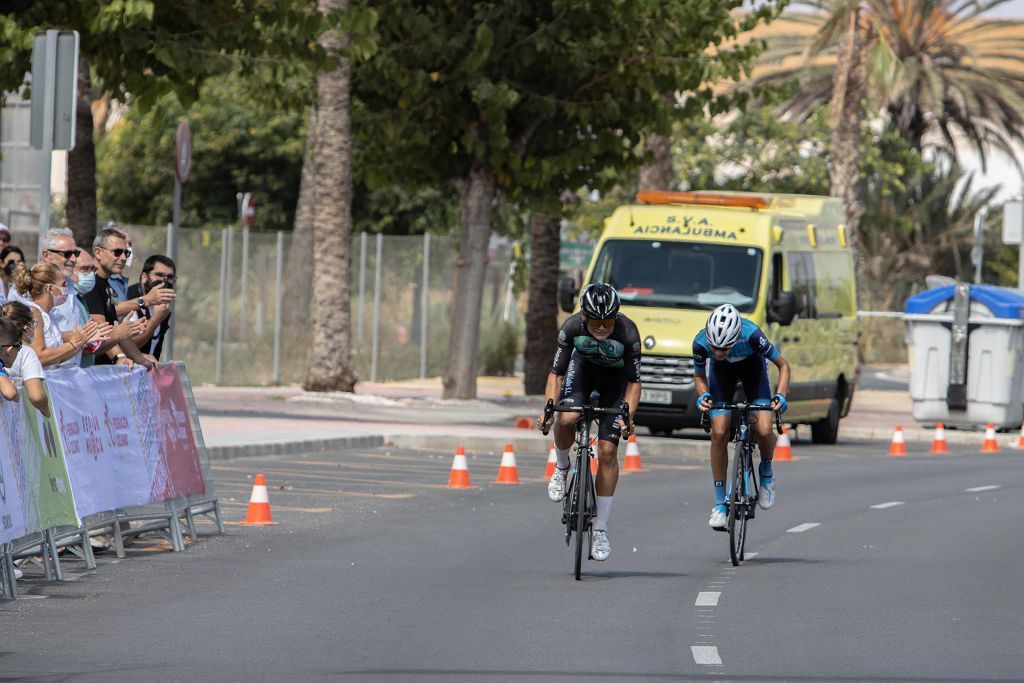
[117, 427]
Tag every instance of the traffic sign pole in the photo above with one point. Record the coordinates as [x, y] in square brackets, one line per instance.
[182, 165]
[247, 214]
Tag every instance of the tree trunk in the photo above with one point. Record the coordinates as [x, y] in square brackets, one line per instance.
[81, 202]
[330, 365]
[298, 284]
[476, 196]
[542, 311]
[659, 174]
[847, 94]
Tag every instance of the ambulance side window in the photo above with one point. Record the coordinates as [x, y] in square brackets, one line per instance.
[801, 280]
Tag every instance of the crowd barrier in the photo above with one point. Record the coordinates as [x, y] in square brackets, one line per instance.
[121, 454]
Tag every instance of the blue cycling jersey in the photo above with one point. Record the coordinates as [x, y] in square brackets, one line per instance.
[752, 342]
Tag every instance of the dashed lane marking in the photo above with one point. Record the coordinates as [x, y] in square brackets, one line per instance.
[978, 489]
[706, 654]
[799, 529]
[283, 508]
[707, 598]
[890, 504]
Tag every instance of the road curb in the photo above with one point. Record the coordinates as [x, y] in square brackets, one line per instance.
[918, 435]
[537, 444]
[305, 447]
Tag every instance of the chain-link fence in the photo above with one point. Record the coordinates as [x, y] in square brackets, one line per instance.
[229, 329]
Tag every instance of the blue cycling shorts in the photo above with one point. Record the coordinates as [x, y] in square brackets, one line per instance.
[751, 372]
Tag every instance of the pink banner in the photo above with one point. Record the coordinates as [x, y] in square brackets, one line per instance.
[178, 447]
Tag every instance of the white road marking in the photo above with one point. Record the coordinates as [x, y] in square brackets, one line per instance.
[803, 527]
[707, 599]
[749, 556]
[705, 654]
[890, 504]
[976, 489]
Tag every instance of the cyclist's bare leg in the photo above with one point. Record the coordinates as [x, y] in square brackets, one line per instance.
[565, 430]
[765, 421]
[608, 471]
[720, 446]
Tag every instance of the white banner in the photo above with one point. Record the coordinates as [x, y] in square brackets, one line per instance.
[111, 429]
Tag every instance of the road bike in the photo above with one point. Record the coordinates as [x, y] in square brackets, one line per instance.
[743, 488]
[579, 507]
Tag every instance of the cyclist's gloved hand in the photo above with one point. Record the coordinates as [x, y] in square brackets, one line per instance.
[704, 401]
[779, 403]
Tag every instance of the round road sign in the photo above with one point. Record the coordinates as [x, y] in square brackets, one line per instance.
[183, 152]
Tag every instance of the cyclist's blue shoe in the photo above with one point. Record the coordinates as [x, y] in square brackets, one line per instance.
[766, 497]
[718, 518]
[556, 487]
[600, 548]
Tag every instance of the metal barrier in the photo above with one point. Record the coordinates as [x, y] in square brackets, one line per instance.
[171, 520]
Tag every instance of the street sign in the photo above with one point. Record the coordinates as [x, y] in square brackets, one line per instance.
[54, 90]
[248, 209]
[183, 151]
[1013, 222]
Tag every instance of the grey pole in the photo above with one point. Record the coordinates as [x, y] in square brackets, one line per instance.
[227, 280]
[49, 102]
[362, 286]
[278, 278]
[245, 281]
[222, 308]
[978, 250]
[376, 308]
[424, 302]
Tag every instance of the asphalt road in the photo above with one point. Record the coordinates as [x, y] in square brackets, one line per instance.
[379, 572]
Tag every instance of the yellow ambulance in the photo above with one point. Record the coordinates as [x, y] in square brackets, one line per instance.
[782, 260]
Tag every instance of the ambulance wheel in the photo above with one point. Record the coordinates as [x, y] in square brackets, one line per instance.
[827, 430]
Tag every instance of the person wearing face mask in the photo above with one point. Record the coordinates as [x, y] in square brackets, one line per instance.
[42, 288]
[10, 257]
[84, 279]
[158, 273]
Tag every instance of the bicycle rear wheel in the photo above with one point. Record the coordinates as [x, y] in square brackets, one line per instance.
[580, 515]
[738, 509]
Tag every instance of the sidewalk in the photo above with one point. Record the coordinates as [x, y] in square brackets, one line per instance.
[411, 414]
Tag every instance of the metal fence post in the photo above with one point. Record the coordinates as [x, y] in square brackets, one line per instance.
[278, 277]
[424, 302]
[376, 308]
[362, 286]
[222, 308]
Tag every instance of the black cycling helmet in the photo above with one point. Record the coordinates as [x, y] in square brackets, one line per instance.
[599, 301]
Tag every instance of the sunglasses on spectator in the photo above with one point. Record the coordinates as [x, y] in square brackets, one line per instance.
[66, 253]
[160, 277]
[118, 253]
[85, 269]
[4, 237]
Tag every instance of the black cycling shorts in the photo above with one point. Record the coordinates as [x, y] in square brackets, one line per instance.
[752, 372]
[582, 379]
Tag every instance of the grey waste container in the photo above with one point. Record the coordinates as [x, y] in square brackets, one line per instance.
[965, 346]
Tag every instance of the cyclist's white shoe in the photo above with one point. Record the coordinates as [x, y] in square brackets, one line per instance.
[600, 548]
[718, 518]
[766, 496]
[556, 487]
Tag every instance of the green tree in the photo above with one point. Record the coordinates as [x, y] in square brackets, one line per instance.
[144, 49]
[531, 98]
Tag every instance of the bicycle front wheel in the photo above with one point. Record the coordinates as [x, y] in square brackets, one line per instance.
[738, 510]
[580, 513]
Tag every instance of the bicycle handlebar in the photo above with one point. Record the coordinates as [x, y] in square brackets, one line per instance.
[740, 407]
[550, 409]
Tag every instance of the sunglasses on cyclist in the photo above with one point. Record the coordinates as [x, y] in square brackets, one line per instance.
[66, 253]
[118, 253]
[721, 349]
[606, 322]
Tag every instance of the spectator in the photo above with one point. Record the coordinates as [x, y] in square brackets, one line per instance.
[8, 337]
[158, 272]
[9, 258]
[5, 236]
[59, 249]
[119, 281]
[109, 251]
[21, 360]
[43, 288]
[84, 279]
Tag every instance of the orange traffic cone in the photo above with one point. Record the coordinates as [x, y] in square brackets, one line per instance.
[632, 461]
[939, 443]
[552, 460]
[783, 451]
[990, 445]
[507, 472]
[898, 447]
[258, 513]
[1020, 439]
[459, 477]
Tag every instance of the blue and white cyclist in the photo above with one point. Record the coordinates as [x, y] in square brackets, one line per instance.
[728, 350]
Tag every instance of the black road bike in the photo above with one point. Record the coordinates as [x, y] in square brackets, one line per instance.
[743, 489]
[579, 507]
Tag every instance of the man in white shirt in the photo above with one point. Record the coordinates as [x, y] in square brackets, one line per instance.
[59, 249]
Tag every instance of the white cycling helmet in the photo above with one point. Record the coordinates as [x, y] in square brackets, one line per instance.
[723, 327]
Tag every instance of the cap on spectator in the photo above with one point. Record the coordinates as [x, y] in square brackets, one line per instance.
[4, 228]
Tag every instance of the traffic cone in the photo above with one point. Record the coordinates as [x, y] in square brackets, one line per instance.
[552, 460]
[258, 513]
[990, 445]
[783, 451]
[898, 447]
[939, 442]
[459, 477]
[507, 472]
[632, 461]
[1020, 439]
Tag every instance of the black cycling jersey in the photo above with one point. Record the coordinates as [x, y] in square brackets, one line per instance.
[619, 351]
